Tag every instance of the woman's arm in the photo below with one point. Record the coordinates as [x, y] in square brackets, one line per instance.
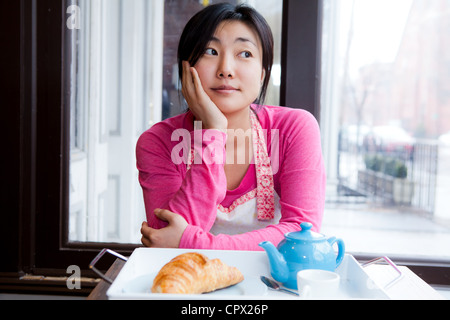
[302, 190]
[194, 194]
[196, 238]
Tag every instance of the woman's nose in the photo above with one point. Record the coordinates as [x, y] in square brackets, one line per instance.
[225, 68]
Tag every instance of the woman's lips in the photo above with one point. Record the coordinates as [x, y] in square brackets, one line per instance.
[225, 89]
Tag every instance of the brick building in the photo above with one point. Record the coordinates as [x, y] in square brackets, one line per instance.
[414, 90]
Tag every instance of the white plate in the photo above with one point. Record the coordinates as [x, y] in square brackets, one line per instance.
[136, 277]
[250, 286]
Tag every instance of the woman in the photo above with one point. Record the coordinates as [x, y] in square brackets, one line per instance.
[229, 192]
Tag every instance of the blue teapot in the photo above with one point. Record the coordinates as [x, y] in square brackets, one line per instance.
[301, 250]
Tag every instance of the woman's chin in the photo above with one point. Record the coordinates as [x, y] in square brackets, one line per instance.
[231, 108]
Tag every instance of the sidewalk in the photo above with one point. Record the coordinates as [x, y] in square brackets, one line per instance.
[378, 230]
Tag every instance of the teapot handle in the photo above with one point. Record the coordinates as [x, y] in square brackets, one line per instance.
[341, 249]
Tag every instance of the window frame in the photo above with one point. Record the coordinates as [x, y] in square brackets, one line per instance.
[35, 237]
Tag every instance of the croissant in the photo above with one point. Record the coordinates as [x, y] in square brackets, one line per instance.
[194, 273]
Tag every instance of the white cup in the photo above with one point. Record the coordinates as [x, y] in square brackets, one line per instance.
[318, 284]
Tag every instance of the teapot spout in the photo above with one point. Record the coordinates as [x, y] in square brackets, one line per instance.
[278, 266]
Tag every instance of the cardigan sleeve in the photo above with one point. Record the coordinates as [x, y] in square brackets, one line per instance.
[166, 184]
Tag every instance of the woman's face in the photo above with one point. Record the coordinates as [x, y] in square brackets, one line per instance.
[231, 69]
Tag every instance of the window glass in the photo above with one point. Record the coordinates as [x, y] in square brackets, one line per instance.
[119, 90]
[115, 95]
[386, 125]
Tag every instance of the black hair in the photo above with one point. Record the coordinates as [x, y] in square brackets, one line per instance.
[202, 26]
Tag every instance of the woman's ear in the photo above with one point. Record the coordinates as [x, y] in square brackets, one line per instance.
[263, 76]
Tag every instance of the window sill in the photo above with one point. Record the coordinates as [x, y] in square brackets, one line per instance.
[13, 283]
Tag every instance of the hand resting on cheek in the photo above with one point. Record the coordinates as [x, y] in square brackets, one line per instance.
[199, 102]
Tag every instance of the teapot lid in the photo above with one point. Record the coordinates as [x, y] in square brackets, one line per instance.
[305, 234]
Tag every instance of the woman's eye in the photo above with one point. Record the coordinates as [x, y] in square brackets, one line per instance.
[211, 52]
[245, 54]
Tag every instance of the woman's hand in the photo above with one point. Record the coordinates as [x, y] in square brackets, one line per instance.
[168, 237]
[199, 102]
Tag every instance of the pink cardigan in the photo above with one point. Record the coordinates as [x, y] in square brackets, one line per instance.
[195, 194]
